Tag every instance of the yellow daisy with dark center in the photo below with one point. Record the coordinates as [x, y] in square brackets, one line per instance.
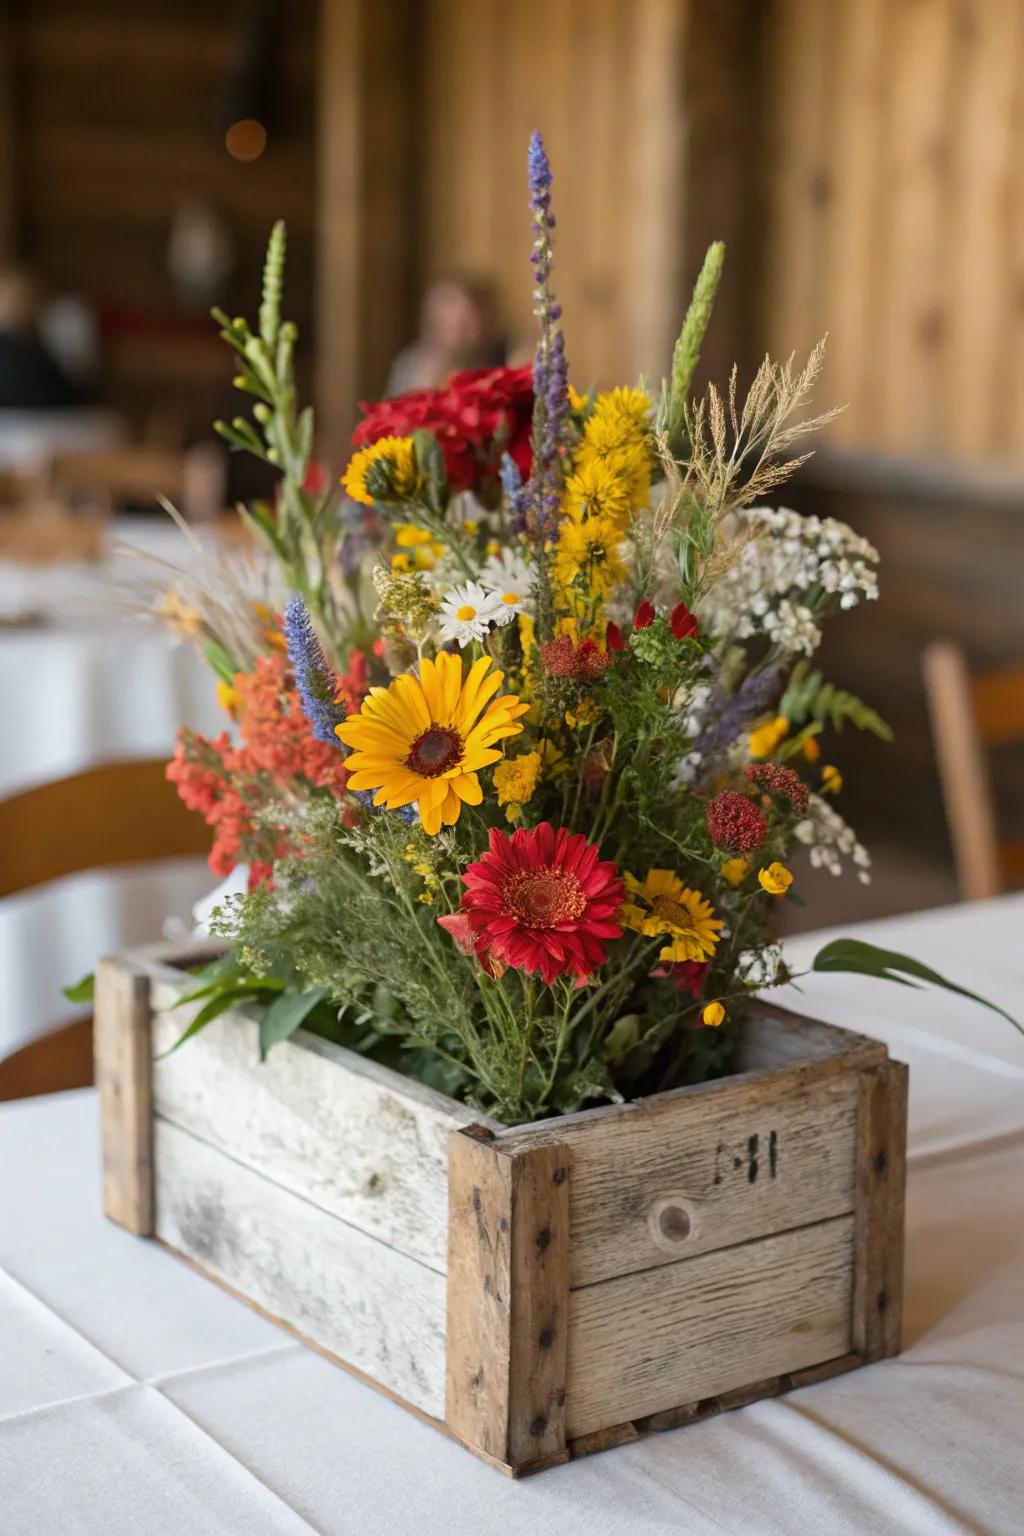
[662, 904]
[425, 738]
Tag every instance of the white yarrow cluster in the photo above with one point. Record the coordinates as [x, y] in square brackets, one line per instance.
[762, 967]
[777, 586]
[824, 832]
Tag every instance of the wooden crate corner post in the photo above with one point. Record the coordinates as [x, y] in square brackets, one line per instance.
[879, 1212]
[123, 1053]
[508, 1300]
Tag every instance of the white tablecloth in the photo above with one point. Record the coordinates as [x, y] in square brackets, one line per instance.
[136, 1397]
[92, 684]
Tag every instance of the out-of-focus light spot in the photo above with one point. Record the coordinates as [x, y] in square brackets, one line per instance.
[246, 140]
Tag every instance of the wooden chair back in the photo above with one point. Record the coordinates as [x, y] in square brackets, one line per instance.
[104, 818]
[969, 715]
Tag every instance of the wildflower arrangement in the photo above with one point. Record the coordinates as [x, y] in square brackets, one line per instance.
[520, 764]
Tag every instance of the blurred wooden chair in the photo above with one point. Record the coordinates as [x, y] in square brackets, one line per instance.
[104, 818]
[970, 715]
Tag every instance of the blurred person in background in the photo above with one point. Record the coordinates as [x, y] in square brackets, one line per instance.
[459, 327]
[31, 378]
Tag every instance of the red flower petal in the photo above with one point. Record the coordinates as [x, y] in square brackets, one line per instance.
[644, 616]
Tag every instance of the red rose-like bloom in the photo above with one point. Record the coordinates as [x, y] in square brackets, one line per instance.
[682, 622]
[543, 901]
[687, 975]
[734, 822]
[777, 780]
[467, 416]
[644, 616]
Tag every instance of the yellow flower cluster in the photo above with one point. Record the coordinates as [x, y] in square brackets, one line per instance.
[515, 779]
[610, 480]
[417, 549]
[426, 872]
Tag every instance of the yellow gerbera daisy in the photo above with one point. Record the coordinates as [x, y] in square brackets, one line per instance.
[386, 471]
[589, 547]
[425, 738]
[662, 904]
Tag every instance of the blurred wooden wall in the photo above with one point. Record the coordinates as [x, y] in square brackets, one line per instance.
[892, 152]
[643, 109]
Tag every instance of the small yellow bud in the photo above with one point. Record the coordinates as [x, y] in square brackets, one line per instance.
[811, 750]
[713, 1015]
[831, 779]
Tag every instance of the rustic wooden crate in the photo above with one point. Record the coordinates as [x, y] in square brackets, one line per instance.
[539, 1292]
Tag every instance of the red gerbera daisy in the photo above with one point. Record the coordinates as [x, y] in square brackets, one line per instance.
[543, 901]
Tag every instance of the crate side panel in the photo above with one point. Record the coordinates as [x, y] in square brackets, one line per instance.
[350, 1294]
[350, 1141]
[643, 1344]
[669, 1179]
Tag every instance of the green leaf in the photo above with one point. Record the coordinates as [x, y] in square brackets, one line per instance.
[687, 349]
[81, 991]
[854, 955]
[285, 1015]
[622, 1036]
[218, 659]
[219, 1003]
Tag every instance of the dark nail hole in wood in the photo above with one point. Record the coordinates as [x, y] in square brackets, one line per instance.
[559, 1176]
[543, 1239]
[882, 1163]
[883, 1301]
[538, 1426]
[547, 1338]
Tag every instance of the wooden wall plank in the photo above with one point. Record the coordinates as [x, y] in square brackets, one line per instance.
[508, 1291]
[353, 1296]
[349, 1136]
[121, 1042]
[646, 1343]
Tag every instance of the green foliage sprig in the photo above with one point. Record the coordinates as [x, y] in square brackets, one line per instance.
[809, 698]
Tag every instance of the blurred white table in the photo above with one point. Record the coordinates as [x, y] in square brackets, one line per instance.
[89, 684]
[136, 1396]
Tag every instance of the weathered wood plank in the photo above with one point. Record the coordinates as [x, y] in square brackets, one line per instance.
[376, 1309]
[881, 1178]
[641, 1344]
[508, 1291]
[121, 1042]
[668, 1178]
[354, 1138]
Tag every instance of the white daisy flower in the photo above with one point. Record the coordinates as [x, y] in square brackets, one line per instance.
[467, 612]
[509, 579]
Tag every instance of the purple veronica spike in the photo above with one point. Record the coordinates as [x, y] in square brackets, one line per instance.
[754, 695]
[314, 679]
[538, 506]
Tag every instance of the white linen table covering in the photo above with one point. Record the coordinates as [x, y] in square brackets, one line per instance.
[137, 1397]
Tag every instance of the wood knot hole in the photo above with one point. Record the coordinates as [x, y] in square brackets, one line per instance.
[671, 1222]
[538, 1426]
[547, 1338]
[675, 1223]
[543, 1239]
